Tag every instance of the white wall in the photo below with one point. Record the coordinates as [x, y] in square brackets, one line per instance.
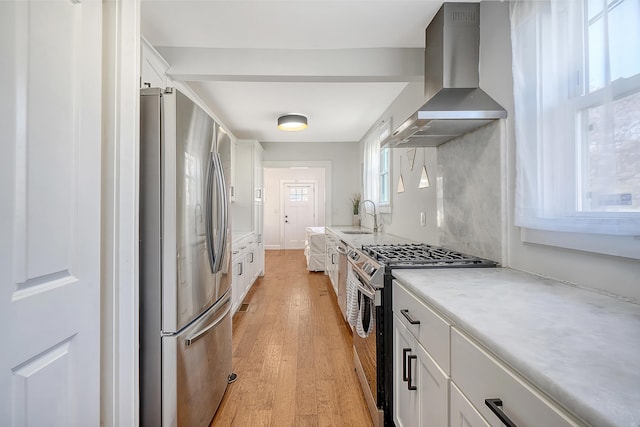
[345, 178]
[611, 274]
[404, 219]
[273, 178]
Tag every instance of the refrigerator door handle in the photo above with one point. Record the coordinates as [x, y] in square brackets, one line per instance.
[222, 207]
[201, 333]
[209, 213]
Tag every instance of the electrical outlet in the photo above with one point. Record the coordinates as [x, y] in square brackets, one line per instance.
[423, 219]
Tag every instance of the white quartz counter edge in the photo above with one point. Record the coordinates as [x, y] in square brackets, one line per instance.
[579, 347]
[236, 236]
[357, 240]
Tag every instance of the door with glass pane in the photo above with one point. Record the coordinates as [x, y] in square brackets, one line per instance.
[298, 213]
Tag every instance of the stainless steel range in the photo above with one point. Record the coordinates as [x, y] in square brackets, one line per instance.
[371, 271]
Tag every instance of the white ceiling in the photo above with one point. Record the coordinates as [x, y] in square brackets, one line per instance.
[341, 63]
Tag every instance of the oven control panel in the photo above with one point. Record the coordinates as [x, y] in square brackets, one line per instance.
[366, 267]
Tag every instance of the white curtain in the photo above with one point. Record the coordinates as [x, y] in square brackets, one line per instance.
[576, 70]
[371, 169]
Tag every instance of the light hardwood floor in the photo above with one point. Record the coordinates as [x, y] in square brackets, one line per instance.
[293, 354]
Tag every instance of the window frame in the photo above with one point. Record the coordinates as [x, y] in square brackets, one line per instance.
[383, 132]
[585, 99]
[567, 203]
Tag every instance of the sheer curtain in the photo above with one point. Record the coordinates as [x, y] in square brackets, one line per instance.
[371, 169]
[576, 69]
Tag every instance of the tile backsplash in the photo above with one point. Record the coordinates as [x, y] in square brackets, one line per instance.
[470, 200]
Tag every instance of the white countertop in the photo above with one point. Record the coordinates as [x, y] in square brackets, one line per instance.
[357, 240]
[580, 347]
[238, 235]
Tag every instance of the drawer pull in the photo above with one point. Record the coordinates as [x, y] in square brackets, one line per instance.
[495, 406]
[411, 320]
[410, 358]
[405, 377]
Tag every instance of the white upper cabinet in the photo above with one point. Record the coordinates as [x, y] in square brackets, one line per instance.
[247, 186]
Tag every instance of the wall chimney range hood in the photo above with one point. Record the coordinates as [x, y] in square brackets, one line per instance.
[456, 105]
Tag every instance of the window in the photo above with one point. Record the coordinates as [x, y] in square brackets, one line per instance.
[609, 123]
[298, 194]
[377, 170]
[385, 177]
[576, 68]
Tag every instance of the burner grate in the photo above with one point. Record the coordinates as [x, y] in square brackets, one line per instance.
[419, 254]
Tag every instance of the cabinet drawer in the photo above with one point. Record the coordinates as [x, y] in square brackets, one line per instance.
[463, 414]
[432, 332]
[480, 376]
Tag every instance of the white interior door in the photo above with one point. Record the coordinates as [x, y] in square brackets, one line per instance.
[298, 214]
[50, 118]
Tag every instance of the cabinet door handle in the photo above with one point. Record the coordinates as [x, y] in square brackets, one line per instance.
[496, 407]
[407, 316]
[410, 358]
[405, 377]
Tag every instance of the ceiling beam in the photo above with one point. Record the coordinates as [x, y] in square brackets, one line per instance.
[295, 65]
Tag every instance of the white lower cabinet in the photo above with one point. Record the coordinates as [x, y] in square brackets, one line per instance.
[246, 267]
[482, 378]
[238, 283]
[462, 413]
[481, 390]
[405, 402]
[331, 258]
[421, 388]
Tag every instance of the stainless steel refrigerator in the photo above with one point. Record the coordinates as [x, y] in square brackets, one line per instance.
[185, 275]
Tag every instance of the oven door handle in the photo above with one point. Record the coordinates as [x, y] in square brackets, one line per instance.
[365, 289]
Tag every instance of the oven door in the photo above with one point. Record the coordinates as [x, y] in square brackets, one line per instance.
[368, 350]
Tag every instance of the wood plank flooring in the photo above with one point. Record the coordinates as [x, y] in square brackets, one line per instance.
[293, 354]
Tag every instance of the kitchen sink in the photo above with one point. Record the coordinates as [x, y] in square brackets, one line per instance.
[356, 232]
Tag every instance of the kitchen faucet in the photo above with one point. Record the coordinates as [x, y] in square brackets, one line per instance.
[376, 227]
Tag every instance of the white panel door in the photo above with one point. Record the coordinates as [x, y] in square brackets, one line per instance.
[50, 119]
[299, 213]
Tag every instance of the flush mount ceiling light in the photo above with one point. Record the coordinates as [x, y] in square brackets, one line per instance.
[291, 122]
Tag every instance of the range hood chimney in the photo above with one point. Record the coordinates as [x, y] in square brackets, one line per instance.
[456, 104]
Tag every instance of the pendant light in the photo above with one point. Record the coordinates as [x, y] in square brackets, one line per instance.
[401, 181]
[292, 122]
[411, 156]
[424, 177]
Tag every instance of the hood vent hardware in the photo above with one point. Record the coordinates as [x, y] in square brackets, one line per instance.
[455, 103]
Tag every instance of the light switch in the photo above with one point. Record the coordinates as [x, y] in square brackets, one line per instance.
[423, 219]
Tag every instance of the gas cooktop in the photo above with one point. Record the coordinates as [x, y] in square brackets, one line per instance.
[422, 255]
